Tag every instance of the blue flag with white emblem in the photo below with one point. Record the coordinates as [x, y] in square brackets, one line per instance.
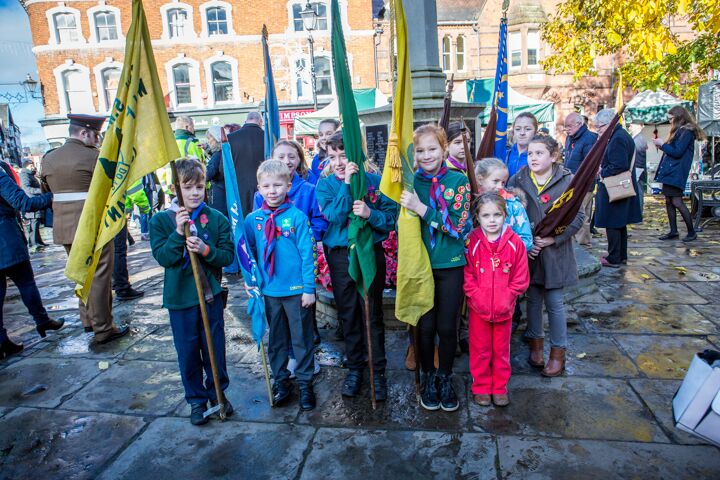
[248, 265]
[272, 110]
[500, 97]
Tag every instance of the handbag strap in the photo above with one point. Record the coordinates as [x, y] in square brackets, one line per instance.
[632, 165]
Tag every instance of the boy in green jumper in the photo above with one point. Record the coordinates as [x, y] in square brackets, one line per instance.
[211, 240]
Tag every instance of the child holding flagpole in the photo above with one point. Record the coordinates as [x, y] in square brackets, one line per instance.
[442, 200]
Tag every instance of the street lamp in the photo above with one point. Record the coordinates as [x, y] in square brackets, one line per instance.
[309, 17]
[29, 91]
[377, 35]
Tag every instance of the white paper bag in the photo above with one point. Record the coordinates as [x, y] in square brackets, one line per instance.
[696, 404]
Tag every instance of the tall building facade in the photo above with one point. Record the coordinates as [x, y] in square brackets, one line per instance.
[208, 54]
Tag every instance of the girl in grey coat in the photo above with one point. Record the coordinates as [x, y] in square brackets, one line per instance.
[552, 259]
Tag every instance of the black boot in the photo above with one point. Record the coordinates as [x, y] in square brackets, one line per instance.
[353, 382]
[229, 410]
[196, 414]
[128, 294]
[307, 397]
[430, 397]
[448, 399]
[8, 348]
[281, 392]
[380, 382]
[49, 325]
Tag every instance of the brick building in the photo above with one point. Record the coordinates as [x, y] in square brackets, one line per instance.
[208, 54]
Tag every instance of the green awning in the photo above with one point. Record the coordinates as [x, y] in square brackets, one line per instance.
[365, 99]
[650, 107]
[481, 91]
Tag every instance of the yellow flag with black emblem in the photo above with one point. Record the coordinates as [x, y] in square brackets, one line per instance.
[138, 141]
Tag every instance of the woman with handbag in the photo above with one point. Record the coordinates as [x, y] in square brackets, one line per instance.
[616, 204]
[674, 168]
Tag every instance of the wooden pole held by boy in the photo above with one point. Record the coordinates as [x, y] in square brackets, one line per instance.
[368, 333]
[198, 273]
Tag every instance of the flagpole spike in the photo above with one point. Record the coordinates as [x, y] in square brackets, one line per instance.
[265, 32]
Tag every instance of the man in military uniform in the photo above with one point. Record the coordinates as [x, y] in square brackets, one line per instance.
[67, 172]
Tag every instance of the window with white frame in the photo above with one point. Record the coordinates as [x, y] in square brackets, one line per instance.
[460, 53]
[178, 23]
[515, 47]
[222, 81]
[446, 53]
[533, 48]
[321, 10]
[217, 21]
[76, 89]
[323, 76]
[105, 26]
[182, 85]
[110, 82]
[66, 27]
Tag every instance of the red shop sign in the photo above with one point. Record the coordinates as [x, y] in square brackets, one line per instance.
[288, 116]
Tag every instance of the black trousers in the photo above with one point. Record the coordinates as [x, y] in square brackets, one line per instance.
[291, 330]
[617, 244]
[24, 279]
[350, 308]
[442, 320]
[120, 276]
[33, 232]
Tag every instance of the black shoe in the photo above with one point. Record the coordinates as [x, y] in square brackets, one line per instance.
[281, 392]
[196, 414]
[307, 397]
[8, 348]
[352, 384]
[448, 399]
[121, 331]
[690, 237]
[228, 407]
[430, 397]
[594, 231]
[669, 236]
[316, 336]
[128, 294]
[380, 382]
[464, 345]
[49, 325]
[88, 329]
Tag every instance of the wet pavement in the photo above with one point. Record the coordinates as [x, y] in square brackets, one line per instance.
[70, 409]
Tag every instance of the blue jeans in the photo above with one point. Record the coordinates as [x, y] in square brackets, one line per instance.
[192, 352]
[22, 275]
[555, 306]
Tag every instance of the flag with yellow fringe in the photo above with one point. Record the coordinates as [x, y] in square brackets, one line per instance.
[415, 285]
[138, 141]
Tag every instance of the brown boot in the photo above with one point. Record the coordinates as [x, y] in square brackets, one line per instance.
[556, 362]
[410, 362]
[537, 354]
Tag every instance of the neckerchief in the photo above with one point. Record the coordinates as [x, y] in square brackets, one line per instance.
[271, 233]
[193, 228]
[456, 164]
[437, 202]
[539, 187]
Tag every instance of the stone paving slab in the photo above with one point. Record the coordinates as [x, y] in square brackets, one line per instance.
[708, 290]
[361, 454]
[400, 411]
[155, 347]
[44, 382]
[685, 273]
[570, 408]
[657, 395]
[715, 339]
[627, 274]
[711, 312]
[138, 388]
[662, 357]
[173, 448]
[652, 292]
[55, 444]
[635, 317]
[4, 410]
[542, 458]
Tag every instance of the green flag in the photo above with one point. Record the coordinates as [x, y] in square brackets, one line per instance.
[360, 238]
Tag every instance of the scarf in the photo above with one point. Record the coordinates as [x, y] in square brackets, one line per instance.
[437, 202]
[271, 233]
[174, 207]
[456, 164]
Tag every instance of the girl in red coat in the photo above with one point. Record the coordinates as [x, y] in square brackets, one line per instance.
[496, 273]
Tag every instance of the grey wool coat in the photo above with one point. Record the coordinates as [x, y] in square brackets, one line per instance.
[555, 267]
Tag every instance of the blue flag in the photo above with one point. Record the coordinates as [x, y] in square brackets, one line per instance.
[248, 265]
[272, 111]
[500, 97]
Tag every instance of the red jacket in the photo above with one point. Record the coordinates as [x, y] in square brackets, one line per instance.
[495, 275]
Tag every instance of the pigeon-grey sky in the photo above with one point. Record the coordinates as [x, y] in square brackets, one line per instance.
[17, 61]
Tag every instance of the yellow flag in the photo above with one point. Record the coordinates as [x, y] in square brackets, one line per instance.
[619, 102]
[415, 285]
[138, 141]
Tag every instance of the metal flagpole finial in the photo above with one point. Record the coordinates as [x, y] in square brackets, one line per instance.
[265, 31]
[505, 6]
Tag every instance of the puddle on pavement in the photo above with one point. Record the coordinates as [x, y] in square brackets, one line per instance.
[327, 356]
[69, 304]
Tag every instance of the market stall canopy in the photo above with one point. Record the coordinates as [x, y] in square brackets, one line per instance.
[365, 99]
[481, 91]
[652, 107]
[709, 108]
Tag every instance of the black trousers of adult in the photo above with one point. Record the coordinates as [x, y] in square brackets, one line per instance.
[22, 276]
[442, 320]
[120, 276]
[350, 308]
[32, 231]
[617, 244]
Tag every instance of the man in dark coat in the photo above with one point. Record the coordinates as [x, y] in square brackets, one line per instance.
[616, 216]
[248, 152]
[578, 143]
[31, 185]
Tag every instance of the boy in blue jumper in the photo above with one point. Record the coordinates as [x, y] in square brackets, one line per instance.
[211, 240]
[336, 203]
[280, 236]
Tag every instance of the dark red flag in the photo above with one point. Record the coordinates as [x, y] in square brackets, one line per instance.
[487, 144]
[563, 210]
